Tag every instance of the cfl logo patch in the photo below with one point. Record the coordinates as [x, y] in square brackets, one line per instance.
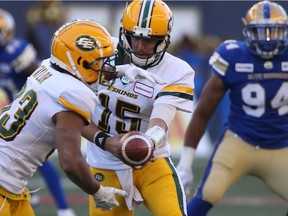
[99, 177]
[86, 43]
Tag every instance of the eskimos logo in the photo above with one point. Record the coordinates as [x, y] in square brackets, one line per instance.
[86, 43]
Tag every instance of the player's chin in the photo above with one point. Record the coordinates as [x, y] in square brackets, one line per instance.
[143, 56]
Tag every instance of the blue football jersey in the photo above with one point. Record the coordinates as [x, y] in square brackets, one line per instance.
[258, 93]
[15, 57]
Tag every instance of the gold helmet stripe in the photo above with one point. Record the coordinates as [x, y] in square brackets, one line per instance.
[146, 13]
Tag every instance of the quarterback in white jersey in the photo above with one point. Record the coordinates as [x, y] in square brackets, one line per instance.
[124, 107]
[143, 106]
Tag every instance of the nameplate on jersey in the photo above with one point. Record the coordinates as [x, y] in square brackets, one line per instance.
[143, 89]
[284, 66]
[244, 67]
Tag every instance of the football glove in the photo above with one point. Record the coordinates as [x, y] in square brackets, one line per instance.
[132, 72]
[186, 177]
[104, 198]
[184, 168]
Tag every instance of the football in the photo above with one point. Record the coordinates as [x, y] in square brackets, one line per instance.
[135, 149]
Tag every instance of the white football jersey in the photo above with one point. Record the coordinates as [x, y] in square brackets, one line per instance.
[126, 107]
[27, 130]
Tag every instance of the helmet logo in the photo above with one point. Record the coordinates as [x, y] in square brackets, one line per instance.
[86, 43]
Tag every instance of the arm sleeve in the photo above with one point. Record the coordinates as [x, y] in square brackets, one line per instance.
[165, 112]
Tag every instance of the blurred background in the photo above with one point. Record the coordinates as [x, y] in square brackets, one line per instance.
[199, 27]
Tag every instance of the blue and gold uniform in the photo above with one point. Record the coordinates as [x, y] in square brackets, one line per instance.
[255, 72]
[15, 57]
[258, 112]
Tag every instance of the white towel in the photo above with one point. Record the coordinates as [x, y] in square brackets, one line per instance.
[134, 198]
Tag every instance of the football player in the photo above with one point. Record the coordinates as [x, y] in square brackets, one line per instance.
[3, 98]
[256, 138]
[18, 60]
[142, 106]
[50, 111]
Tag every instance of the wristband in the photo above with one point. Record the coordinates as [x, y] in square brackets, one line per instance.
[100, 138]
[156, 134]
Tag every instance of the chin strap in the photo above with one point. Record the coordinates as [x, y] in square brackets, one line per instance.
[74, 68]
[76, 73]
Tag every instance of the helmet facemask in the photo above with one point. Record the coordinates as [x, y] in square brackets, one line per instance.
[103, 68]
[108, 71]
[266, 40]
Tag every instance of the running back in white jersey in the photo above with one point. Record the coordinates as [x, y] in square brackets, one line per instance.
[127, 106]
[26, 127]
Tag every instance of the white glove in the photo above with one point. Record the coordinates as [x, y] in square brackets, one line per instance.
[184, 168]
[132, 72]
[186, 177]
[104, 198]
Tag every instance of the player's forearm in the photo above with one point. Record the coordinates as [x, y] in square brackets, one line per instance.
[72, 162]
[210, 97]
[89, 131]
[193, 134]
[195, 131]
[80, 175]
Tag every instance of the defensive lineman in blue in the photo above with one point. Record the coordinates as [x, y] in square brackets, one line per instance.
[258, 93]
[255, 141]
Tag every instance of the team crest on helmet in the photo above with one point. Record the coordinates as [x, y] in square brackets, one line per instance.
[86, 43]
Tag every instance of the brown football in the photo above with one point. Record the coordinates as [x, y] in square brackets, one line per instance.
[135, 149]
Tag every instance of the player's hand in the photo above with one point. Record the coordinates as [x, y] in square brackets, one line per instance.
[186, 177]
[132, 72]
[112, 144]
[104, 198]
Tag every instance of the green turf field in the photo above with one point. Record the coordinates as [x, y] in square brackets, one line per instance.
[248, 198]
